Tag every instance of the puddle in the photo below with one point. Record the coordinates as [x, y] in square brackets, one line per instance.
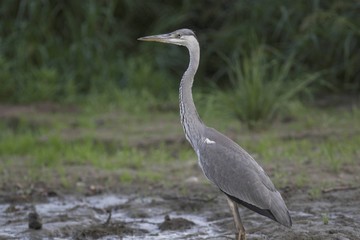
[334, 216]
[71, 217]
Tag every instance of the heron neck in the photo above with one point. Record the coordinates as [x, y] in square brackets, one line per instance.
[190, 119]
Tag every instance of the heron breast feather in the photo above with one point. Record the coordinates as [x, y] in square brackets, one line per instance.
[208, 141]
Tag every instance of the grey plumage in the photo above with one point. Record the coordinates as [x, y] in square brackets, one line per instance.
[223, 162]
[242, 178]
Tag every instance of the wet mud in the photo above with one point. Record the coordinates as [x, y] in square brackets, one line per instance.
[334, 214]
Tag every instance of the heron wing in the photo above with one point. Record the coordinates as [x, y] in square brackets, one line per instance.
[239, 176]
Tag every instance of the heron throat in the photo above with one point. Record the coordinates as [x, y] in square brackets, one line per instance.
[189, 116]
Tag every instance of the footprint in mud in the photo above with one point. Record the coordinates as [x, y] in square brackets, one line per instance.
[175, 224]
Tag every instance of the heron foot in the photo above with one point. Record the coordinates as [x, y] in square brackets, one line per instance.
[240, 235]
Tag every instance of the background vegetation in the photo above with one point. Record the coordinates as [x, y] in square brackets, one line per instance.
[66, 50]
[260, 60]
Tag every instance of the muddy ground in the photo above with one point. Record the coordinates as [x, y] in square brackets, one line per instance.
[186, 208]
[165, 214]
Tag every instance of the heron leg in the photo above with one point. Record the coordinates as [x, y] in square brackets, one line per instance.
[240, 235]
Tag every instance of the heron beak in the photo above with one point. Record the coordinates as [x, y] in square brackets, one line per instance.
[165, 38]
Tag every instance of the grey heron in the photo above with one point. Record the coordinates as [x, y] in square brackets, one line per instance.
[223, 162]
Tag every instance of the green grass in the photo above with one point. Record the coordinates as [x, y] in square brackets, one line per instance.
[131, 146]
[325, 218]
[55, 151]
[60, 142]
[315, 192]
[330, 154]
[126, 177]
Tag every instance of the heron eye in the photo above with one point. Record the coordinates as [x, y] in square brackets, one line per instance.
[178, 35]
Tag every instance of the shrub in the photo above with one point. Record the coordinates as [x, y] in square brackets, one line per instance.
[262, 86]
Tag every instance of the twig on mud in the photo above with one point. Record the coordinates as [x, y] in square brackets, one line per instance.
[226, 236]
[109, 217]
[129, 200]
[335, 189]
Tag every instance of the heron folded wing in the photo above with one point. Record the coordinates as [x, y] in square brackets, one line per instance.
[238, 175]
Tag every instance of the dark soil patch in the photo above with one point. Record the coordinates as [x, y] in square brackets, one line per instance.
[175, 224]
[112, 229]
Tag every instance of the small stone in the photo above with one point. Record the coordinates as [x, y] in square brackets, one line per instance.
[34, 221]
[192, 179]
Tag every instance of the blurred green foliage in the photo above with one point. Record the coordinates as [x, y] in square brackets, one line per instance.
[62, 50]
[261, 89]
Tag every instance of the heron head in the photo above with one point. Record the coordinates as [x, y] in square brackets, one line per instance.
[179, 37]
